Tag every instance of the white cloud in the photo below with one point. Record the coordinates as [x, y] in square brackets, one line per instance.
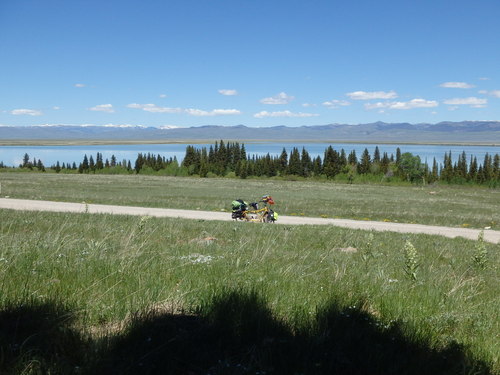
[457, 85]
[336, 103]
[283, 114]
[190, 111]
[56, 108]
[24, 111]
[79, 85]
[363, 95]
[484, 79]
[495, 93]
[471, 101]
[108, 108]
[214, 112]
[228, 92]
[414, 103]
[154, 108]
[307, 105]
[163, 96]
[281, 98]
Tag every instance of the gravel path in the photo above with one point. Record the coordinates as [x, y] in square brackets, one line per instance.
[35, 205]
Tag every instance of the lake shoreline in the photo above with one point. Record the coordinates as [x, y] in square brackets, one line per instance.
[104, 142]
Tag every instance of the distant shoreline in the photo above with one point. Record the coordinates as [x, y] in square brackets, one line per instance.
[94, 142]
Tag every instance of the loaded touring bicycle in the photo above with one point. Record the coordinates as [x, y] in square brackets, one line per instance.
[241, 210]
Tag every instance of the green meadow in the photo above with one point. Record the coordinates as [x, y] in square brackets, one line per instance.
[437, 205]
[102, 294]
[119, 294]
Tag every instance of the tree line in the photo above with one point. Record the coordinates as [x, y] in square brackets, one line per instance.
[230, 159]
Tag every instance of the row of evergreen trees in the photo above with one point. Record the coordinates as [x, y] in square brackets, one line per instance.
[222, 159]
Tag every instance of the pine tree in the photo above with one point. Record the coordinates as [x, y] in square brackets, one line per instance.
[376, 155]
[384, 163]
[85, 164]
[435, 171]
[283, 162]
[306, 163]
[26, 161]
[352, 158]
[496, 167]
[40, 166]
[472, 175]
[365, 163]
[447, 172]
[99, 164]
[317, 166]
[487, 168]
[91, 164]
[294, 166]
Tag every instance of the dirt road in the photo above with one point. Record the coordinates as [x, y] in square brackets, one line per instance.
[35, 205]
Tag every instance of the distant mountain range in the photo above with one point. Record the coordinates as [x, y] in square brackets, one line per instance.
[484, 132]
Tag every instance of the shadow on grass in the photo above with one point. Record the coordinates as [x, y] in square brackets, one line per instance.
[38, 338]
[236, 333]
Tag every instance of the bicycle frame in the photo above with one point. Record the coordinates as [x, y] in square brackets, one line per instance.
[259, 216]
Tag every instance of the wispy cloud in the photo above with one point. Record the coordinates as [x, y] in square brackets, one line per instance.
[79, 85]
[190, 111]
[24, 111]
[281, 98]
[214, 112]
[154, 108]
[414, 103]
[472, 101]
[363, 95]
[283, 114]
[108, 108]
[163, 96]
[457, 85]
[494, 93]
[336, 103]
[227, 92]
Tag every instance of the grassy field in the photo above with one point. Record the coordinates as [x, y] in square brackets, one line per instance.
[92, 294]
[437, 205]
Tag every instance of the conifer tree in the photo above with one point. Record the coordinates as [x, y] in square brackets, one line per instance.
[91, 164]
[283, 162]
[398, 155]
[317, 166]
[376, 155]
[26, 161]
[306, 163]
[472, 175]
[435, 171]
[85, 164]
[40, 166]
[352, 158]
[294, 166]
[496, 167]
[365, 163]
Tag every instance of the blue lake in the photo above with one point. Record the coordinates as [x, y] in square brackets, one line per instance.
[13, 155]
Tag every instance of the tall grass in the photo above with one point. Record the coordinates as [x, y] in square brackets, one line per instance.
[115, 274]
[439, 205]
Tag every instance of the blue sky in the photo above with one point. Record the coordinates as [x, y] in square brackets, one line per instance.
[257, 63]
